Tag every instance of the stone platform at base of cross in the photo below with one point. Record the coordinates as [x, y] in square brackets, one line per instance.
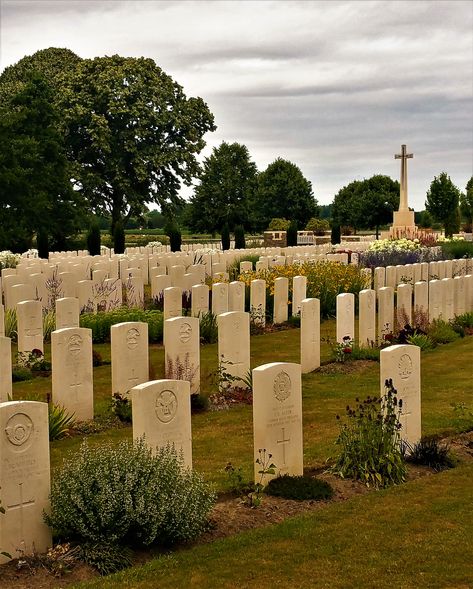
[403, 225]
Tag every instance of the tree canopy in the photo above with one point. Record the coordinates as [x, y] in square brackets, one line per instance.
[284, 192]
[466, 203]
[365, 204]
[226, 190]
[36, 194]
[442, 202]
[131, 134]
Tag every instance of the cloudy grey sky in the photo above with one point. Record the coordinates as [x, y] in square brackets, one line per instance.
[335, 87]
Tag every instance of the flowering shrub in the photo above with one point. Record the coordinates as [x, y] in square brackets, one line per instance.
[128, 495]
[393, 252]
[342, 350]
[9, 260]
[154, 244]
[31, 253]
[325, 280]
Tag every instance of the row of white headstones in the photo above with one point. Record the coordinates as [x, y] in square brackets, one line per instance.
[162, 414]
[437, 299]
[101, 282]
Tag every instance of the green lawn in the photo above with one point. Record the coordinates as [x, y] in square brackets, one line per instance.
[417, 535]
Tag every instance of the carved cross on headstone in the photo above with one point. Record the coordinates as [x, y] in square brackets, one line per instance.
[403, 156]
[20, 505]
[75, 388]
[284, 441]
[133, 379]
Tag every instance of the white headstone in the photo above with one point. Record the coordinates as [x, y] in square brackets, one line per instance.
[367, 318]
[448, 302]
[281, 295]
[459, 294]
[219, 298]
[236, 296]
[129, 354]
[162, 413]
[421, 298]
[24, 478]
[199, 300]
[435, 299]
[258, 302]
[182, 352]
[345, 316]
[401, 364]
[5, 369]
[67, 312]
[172, 302]
[277, 418]
[30, 326]
[72, 381]
[404, 304]
[310, 335]
[234, 344]
[299, 288]
[385, 312]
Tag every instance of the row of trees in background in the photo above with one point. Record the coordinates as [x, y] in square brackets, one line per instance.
[232, 193]
[111, 136]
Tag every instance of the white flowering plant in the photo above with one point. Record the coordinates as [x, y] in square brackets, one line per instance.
[9, 259]
[154, 244]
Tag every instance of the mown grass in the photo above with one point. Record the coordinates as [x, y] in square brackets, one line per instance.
[416, 535]
[419, 535]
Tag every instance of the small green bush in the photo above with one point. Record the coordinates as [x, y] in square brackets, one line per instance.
[240, 242]
[106, 558]
[424, 342]
[441, 332]
[21, 373]
[457, 249]
[126, 495]
[10, 323]
[100, 323]
[430, 451]
[208, 328]
[199, 403]
[121, 407]
[300, 488]
[465, 320]
[60, 422]
[370, 442]
[278, 224]
[225, 237]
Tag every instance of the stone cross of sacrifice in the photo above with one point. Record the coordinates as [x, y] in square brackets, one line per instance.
[403, 156]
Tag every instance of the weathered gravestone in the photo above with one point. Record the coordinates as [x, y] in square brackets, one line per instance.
[281, 295]
[277, 418]
[182, 351]
[30, 326]
[367, 318]
[404, 304]
[67, 312]
[162, 414]
[72, 381]
[299, 288]
[24, 478]
[5, 369]
[385, 313]
[345, 316]
[219, 298]
[310, 335]
[401, 363]
[129, 354]
[258, 302]
[199, 300]
[234, 345]
[236, 296]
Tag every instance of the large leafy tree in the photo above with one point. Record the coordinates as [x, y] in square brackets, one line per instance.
[226, 190]
[283, 191]
[466, 203]
[366, 204]
[442, 202]
[131, 134]
[36, 196]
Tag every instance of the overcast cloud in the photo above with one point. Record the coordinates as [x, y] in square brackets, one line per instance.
[335, 87]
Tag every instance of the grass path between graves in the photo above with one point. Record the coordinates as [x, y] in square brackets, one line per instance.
[413, 536]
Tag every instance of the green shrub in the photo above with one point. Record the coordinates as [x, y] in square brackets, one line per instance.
[121, 407]
[100, 323]
[21, 373]
[127, 495]
[10, 324]
[119, 238]
[318, 226]
[93, 239]
[240, 243]
[299, 488]
[424, 342]
[199, 403]
[430, 451]
[106, 558]
[336, 234]
[457, 249]
[49, 325]
[208, 328]
[60, 422]
[278, 224]
[291, 234]
[225, 237]
[465, 320]
[370, 442]
[441, 332]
